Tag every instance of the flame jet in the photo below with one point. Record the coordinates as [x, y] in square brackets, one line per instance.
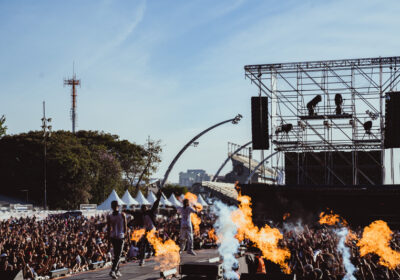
[167, 253]
[196, 221]
[265, 238]
[376, 239]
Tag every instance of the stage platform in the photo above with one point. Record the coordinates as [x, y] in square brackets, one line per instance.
[132, 270]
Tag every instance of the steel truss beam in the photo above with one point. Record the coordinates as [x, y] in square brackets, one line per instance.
[362, 83]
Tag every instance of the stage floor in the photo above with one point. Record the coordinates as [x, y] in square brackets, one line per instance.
[132, 270]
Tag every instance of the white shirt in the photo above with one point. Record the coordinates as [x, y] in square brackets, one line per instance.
[185, 213]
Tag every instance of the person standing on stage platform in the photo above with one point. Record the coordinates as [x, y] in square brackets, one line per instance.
[186, 232]
[116, 228]
[148, 221]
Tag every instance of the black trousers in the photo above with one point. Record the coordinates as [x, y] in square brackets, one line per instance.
[117, 244]
[144, 246]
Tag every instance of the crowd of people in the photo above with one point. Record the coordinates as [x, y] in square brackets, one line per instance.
[39, 246]
[315, 255]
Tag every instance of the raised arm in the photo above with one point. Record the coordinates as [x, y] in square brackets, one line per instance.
[157, 202]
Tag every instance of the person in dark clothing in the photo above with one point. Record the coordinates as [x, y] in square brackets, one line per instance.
[147, 220]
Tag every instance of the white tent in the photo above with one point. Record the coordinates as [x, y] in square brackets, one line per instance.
[128, 199]
[174, 201]
[141, 199]
[201, 201]
[164, 201]
[106, 205]
[151, 197]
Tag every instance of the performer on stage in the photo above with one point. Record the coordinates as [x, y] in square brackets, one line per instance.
[148, 222]
[116, 228]
[186, 233]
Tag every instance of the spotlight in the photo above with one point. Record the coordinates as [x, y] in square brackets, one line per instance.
[195, 144]
[237, 119]
[284, 128]
[367, 127]
[312, 104]
[301, 125]
[372, 115]
[338, 102]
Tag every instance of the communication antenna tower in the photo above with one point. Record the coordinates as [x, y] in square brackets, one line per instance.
[73, 82]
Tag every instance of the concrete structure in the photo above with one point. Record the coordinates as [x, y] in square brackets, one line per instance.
[193, 176]
[241, 170]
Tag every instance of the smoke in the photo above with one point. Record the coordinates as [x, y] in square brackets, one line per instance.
[226, 230]
[297, 227]
[345, 252]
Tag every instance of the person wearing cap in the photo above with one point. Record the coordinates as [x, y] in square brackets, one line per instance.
[116, 229]
[186, 232]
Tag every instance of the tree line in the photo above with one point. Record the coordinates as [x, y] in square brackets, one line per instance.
[81, 168]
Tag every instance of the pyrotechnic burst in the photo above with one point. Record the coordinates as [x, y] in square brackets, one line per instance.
[196, 221]
[193, 201]
[212, 236]
[331, 219]
[266, 238]
[343, 233]
[228, 246]
[137, 234]
[167, 253]
[376, 239]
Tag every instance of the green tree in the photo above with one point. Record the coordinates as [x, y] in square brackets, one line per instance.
[132, 159]
[152, 159]
[108, 176]
[81, 168]
[3, 128]
[175, 189]
[71, 171]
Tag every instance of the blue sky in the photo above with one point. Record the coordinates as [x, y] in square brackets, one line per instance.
[169, 69]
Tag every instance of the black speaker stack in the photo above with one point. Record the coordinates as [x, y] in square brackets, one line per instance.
[392, 120]
[259, 122]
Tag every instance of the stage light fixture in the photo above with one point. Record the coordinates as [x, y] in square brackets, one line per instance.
[312, 104]
[287, 127]
[301, 125]
[367, 127]
[339, 103]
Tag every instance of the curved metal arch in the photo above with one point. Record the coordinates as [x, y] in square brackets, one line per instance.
[258, 166]
[235, 120]
[228, 158]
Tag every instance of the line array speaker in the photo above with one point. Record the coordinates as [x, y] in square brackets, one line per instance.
[259, 122]
[392, 120]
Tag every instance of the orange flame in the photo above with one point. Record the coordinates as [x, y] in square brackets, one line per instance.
[167, 253]
[350, 237]
[285, 216]
[266, 238]
[331, 219]
[376, 239]
[196, 223]
[193, 200]
[212, 236]
[137, 234]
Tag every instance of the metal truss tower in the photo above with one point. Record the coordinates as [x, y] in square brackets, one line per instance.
[73, 83]
[330, 106]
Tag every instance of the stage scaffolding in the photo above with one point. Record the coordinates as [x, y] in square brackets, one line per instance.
[362, 85]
